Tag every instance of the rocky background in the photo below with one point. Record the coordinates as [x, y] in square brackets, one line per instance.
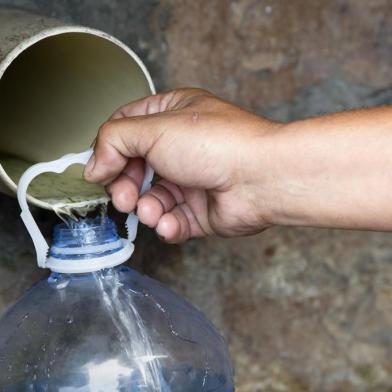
[302, 309]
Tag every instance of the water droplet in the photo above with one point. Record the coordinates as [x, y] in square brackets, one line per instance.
[70, 319]
[27, 368]
[50, 320]
[63, 284]
[43, 348]
[26, 316]
[268, 10]
[59, 281]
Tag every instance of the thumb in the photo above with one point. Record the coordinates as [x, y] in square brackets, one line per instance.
[117, 141]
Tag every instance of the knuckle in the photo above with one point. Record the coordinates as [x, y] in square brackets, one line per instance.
[199, 91]
[105, 131]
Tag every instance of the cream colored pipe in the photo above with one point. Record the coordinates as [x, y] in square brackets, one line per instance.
[57, 85]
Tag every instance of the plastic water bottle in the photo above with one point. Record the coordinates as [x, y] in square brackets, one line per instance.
[95, 325]
[110, 330]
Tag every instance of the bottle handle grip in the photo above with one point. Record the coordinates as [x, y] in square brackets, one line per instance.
[59, 166]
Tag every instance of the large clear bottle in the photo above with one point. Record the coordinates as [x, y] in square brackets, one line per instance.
[109, 330]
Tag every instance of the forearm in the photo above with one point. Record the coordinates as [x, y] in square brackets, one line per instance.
[333, 171]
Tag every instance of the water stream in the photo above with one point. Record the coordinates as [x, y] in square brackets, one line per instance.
[134, 337]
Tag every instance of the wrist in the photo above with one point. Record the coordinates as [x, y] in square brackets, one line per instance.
[294, 175]
[277, 182]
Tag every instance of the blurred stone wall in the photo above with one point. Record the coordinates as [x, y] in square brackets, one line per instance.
[302, 309]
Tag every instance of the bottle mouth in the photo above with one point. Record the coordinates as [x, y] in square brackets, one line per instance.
[85, 239]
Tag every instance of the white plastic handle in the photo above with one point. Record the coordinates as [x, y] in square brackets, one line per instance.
[59, 166]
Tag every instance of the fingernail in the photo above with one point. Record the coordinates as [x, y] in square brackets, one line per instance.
[89, 167]
[161, 237]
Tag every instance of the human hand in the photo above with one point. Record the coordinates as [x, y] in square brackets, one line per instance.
[206, 153]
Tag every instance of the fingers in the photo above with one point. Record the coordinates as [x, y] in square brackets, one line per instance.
[149, 105]
[154, 204]
[157, 103]
[162, 198]
[162, 208]
[178, 225]
[109, 157]
[125, 136]
[117, 141]
[132, 132]
[124, 190]
[165, 209]
[124, 193]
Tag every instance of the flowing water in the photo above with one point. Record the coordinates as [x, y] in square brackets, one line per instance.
[134, 337]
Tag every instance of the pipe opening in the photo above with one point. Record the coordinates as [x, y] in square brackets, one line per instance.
[53, 98]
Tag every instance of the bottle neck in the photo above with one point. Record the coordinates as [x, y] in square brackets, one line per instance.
[60, 279]
[87, 245]
[85, 239]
